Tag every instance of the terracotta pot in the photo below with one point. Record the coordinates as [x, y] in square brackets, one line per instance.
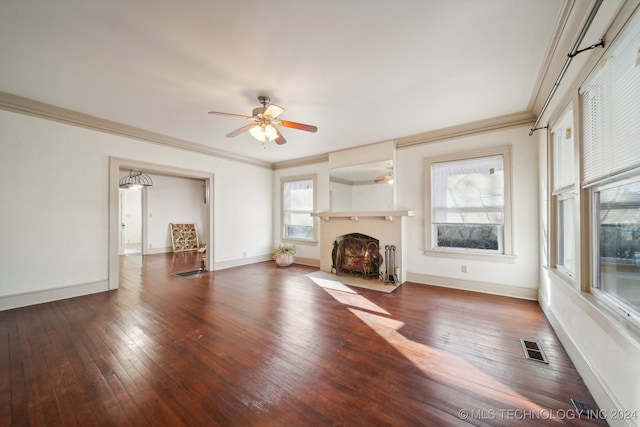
[284, 259]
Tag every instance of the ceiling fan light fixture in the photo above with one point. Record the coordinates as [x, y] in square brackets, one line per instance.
[258, 133]
[263, 132]
[271, 132]
[265, 119]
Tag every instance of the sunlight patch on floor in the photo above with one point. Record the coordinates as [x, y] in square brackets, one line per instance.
[429, 360]
[331, 284]
[347, 296]
[355, 300]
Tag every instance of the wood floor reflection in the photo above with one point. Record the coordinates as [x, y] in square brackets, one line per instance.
[262, 345]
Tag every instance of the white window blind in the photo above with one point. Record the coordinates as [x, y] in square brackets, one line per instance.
[469, 191]
[563, 160]
[298, 203]
[611, 111]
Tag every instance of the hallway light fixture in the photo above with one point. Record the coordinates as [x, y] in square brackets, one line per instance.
[135, 181]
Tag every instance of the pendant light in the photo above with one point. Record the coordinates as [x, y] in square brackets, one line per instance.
[135, 181]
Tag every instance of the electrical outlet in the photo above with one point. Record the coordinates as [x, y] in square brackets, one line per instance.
[244, 254]
[463, 268]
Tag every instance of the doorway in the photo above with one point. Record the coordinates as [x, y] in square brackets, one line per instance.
[115, 223]
[130, 222]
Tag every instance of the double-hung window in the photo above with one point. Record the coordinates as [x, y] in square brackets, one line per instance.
[298, 202]
[611, 172]
[469, 202]
[564, 192]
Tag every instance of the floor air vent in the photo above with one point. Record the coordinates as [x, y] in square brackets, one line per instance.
[192, 273]
[533, 351]
[581, 407]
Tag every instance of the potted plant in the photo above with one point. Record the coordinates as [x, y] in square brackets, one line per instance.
[283, 255]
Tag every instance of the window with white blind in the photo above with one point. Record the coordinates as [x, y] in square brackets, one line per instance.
[469, 201]
[611, 111]
[298, 202]
[563, 192]
[610, 102]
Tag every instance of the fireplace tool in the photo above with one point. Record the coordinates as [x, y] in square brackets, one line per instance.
[394, 269]
[391, 275]
[385, 276]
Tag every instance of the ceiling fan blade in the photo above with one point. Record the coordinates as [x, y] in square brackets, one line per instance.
[242, 129]
[230, 114]
[273, 111]
[280, 139]
[299, 126]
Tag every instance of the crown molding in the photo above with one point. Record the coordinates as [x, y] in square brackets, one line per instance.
[496, 123]
[302, 161]
[18, 104]
[525, 118]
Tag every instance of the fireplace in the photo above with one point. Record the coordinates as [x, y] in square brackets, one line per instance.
[388, 227]
[356, 253]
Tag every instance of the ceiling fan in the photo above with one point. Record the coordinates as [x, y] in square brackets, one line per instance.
[264, 121]
[384, 178]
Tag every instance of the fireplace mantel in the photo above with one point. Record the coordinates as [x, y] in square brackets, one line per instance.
[355, 216]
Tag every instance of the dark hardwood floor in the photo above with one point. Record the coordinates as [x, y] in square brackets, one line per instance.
[263, 345]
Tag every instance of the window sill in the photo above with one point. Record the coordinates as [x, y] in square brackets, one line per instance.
[300, 242]
[508, 259]
[611, 309]
[561, 275]
[607, 312]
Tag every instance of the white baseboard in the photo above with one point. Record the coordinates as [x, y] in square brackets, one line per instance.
[476, 286]
[221, 265]
[154, 251]
[8, 302]
[262, 258]
[307, 261]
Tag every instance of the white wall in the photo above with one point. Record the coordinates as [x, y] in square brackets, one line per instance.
[516, 278]
[174, 200]
[55, 203]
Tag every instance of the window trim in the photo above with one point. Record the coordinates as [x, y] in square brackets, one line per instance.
[564, 192]
[618, 305]
[568, 194]
[430, 249]
[314, 237]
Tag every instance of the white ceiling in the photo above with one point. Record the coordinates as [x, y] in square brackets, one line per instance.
[362, 71]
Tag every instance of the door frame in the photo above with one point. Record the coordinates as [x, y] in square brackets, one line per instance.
[115, 164]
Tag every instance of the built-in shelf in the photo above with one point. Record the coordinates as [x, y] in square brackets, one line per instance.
[355, 216]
